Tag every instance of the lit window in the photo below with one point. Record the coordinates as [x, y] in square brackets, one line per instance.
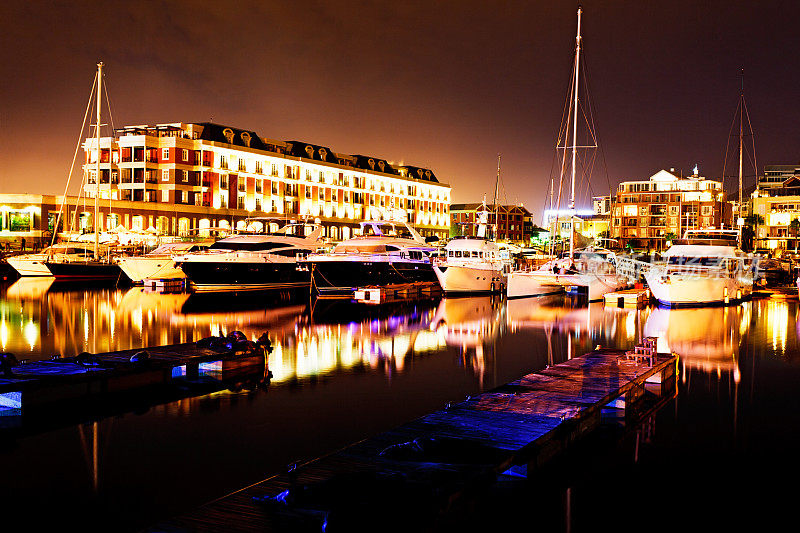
[165, 153]
[165, 174]
[184, 155]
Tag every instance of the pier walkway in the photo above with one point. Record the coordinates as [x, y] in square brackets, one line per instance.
[427, 468]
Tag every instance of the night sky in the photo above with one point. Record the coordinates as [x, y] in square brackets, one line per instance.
[446, 85]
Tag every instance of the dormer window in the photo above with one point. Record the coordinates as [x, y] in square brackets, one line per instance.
[371, 163]
[381, 165]
[228, 133]
[323, 153]
[310, 151]
[245, 138]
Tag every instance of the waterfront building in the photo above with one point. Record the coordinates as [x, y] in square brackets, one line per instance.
[776, 203]
[514, 222]
[646, 212]
[200, 175]
[601, 205]
[589, 226]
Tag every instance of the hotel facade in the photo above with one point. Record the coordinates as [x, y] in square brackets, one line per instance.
[185, 176]
[645, 212]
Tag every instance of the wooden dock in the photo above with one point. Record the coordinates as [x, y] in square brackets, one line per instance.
[396, 293]
[426, 469]
[34, 385]
[628, 298]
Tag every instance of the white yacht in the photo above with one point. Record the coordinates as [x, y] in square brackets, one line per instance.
[36, 264]
[386, 253]
[706, 267]
[253, 261]
[472, 264]
[159, 264]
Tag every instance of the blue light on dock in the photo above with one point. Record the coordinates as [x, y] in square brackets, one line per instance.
[9, 401]
[179, 371]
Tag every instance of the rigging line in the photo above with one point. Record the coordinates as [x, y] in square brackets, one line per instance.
[72, 166]
[590, 104]
[753, 135]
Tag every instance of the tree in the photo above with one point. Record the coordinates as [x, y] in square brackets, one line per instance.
[794, 227]
[750, 231]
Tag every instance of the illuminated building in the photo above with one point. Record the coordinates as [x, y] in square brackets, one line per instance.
[647, 211]
[777, 200]
[201, 175]
[514, 222]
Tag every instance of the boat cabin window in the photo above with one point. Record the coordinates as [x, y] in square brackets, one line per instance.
[247, 246]
[695, 261]
[475, 253]
[392, 248]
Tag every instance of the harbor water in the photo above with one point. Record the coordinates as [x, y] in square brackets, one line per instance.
[718, 453]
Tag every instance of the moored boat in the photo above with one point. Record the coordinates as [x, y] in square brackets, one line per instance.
[386, 253]
[471, 265]
[250, 261]
[706, 267]
[159, 263]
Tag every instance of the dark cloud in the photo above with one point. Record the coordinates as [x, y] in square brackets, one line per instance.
[441, 84]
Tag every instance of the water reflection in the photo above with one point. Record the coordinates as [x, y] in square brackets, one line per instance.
[706, 339]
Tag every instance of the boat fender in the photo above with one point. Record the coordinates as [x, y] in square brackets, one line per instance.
[140, 357]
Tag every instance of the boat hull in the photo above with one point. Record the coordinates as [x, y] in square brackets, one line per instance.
[85, 270]
[141, 268]
[531, 283]
[28, 266]
[343, 277]
[470, 279]
[244, 276]
[698, 291]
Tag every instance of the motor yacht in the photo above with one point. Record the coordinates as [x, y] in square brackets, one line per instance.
[385, 253]
[706, 267]
[159, 264]
[253, 261]
[472, 265]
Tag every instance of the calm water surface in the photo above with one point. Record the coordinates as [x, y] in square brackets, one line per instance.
[718, 454]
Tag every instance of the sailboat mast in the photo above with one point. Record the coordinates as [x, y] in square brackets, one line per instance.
[741, 135]
[574, 136]
[494, 201]
[97, 177]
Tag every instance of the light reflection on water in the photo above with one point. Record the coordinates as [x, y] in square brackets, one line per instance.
[379, 365]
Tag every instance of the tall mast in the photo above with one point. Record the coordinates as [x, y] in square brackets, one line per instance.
[574, 136]
[97, 177]
[741, 148]
[494, 201]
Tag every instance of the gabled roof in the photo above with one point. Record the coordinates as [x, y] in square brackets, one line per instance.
[792, 181]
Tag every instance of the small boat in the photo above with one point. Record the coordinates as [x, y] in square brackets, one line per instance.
[706, 267]
[386, 253]
[253, 261]
[159, 263]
